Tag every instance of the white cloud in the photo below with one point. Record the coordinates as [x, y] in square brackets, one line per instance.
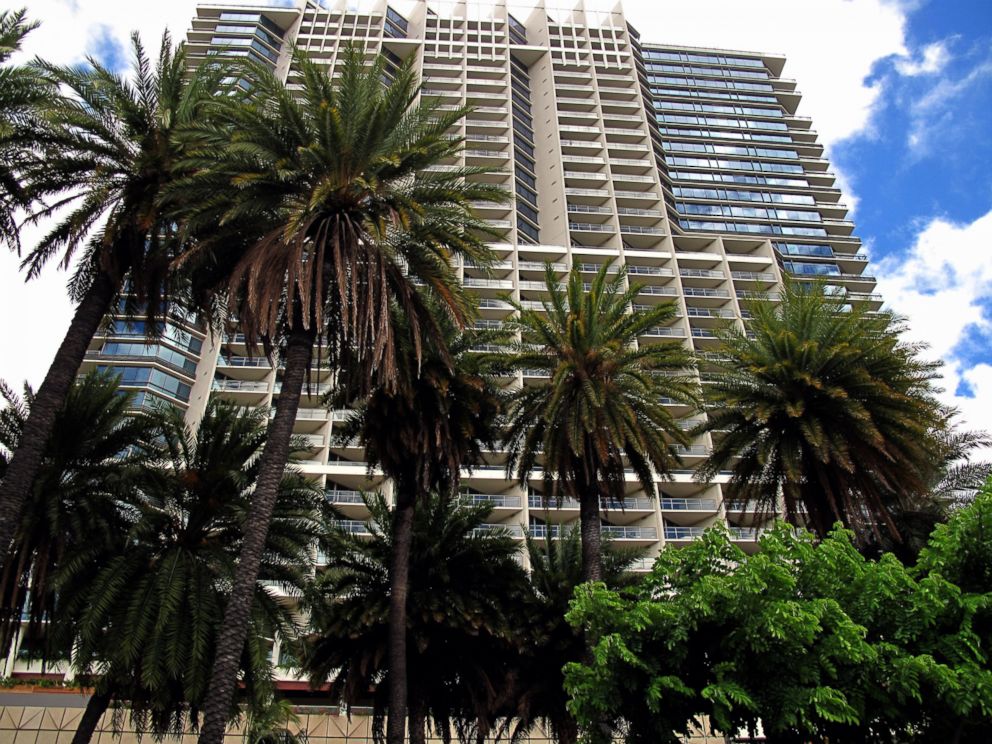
[931, 114]
[70, 30]
[933, 59]
[940, 284]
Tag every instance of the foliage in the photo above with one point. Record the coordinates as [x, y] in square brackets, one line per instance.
[809, 638]
[464, 583]
[602, 409]
[544, 642]
[148, 620]
[107, 150]
[316, 207]
[22, 90]
[78, 510]
[274, 724]
[827, 405]
[440, 416]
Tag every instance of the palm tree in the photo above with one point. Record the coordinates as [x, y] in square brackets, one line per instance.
[603, 405]
[22, 89]
[825, 407]
[465, 584]
[75, 513]
[954, 480]
[437, 420]
[146, 624]
[545, 641]
[106, 152]
[322, 202]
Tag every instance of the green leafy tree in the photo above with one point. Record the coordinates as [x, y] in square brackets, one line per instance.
[807, 639]
[437, 420]
[108, 146]
[316, 216]
[146, 625]
[77, 511]
[825, 407]
[602, 407]
[464, 584]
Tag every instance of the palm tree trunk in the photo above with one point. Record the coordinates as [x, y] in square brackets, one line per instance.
[399, 588]
[272, 467]
[96, 706]
[592, 557]
[26, 461]
[418, 719]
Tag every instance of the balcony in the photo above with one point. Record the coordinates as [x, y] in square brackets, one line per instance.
[590, 227]
[240, 386]
[633, 503]
[353, 526]
[688, 504]
[515, 530]
[753, 276]
[662, 331]
[693, 450]
[683, 533]
[496, 500]
[335, 496]
[615, 532]
[635, 270]
[658, 291]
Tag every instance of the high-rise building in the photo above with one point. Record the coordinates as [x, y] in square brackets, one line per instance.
[689, 166]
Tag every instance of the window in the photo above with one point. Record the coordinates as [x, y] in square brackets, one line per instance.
[527, 229]
[798, 267]
[147, 377]
[804, 249]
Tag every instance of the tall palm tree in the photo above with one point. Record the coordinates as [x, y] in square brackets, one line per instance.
[465, 585]
[602, 407]
[320, 212]
[825, 407]
[107, 149]
[75, 512]
[437, 420]
[22, 89]
[147, 623]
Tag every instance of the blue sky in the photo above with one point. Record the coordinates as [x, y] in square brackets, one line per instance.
[928, 149]
[900, 92]
[927, 156]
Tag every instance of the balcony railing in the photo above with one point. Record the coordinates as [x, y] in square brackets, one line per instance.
[702, 273]
[629, 533]
[633, 503]
[515, 530]
[497, 500]
[683, 533]
[665, 331]
[354, 526]
[334, 496]
[688, 504]
[244, 386]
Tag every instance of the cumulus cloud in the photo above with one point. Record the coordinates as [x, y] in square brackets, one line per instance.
[932, 60]
[943, 285]
[72, 30]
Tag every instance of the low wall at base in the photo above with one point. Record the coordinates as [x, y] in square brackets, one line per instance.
[46, 717]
